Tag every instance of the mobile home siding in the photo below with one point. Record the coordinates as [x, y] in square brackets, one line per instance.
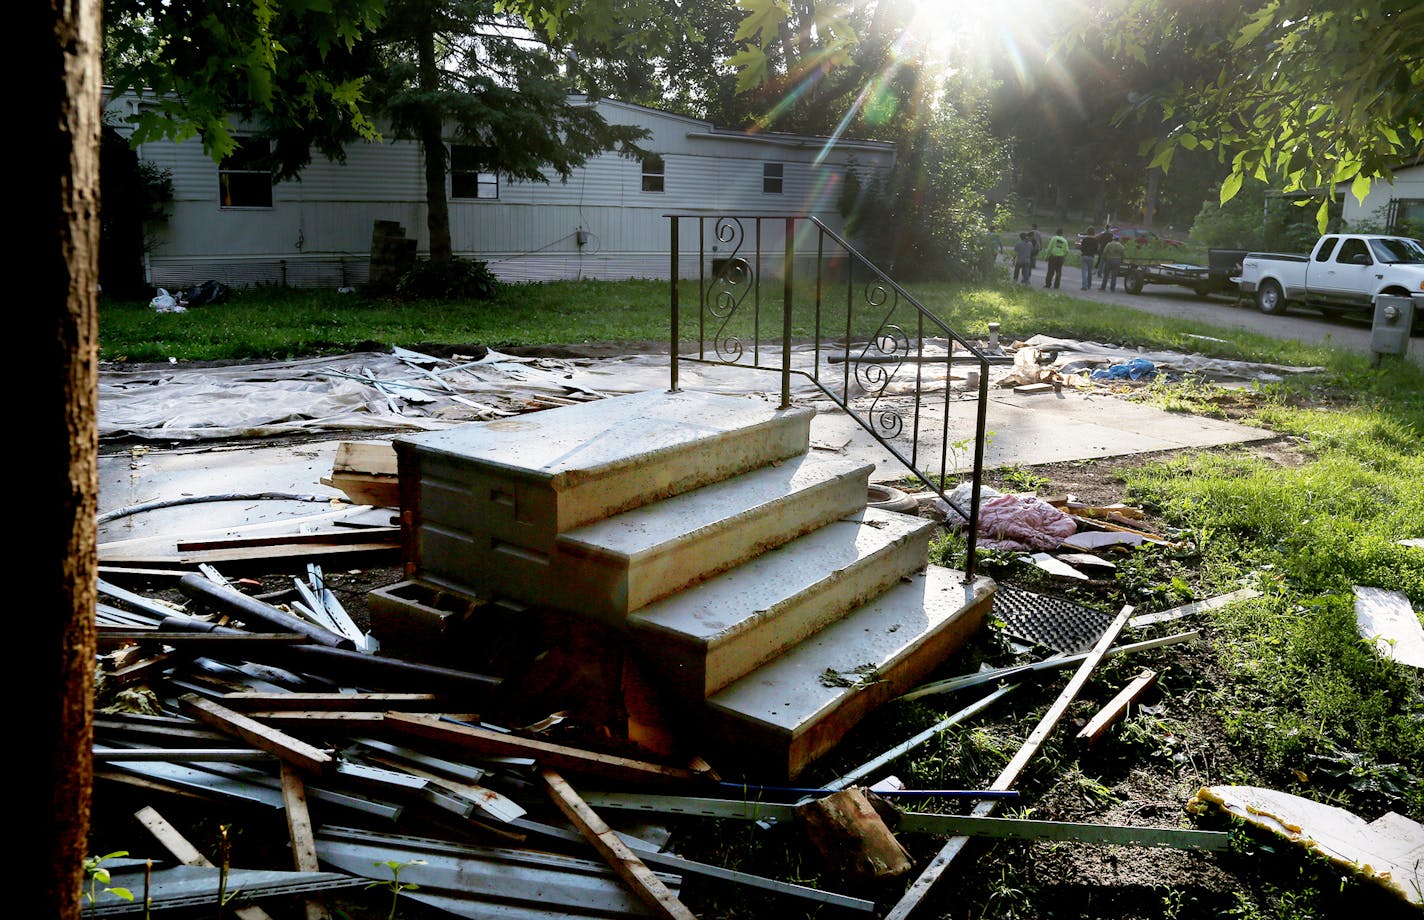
[318, 230]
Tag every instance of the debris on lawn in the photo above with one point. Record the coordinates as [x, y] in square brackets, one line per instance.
[1388, 622]
[1388, 851]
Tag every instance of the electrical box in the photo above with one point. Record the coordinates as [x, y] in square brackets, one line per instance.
[1394, 317]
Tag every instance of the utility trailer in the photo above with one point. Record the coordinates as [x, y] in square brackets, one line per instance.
[1215, 277]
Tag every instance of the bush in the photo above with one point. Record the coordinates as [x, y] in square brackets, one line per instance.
[453, 279]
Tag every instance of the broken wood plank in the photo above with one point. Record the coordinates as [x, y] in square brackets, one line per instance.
[1122, 528]
[187, 854]
[1186, 610]
[1033, 389]
[113, 638]
[299, 828]
[852, 837]
[574, 760]
[1117, 708]
[939, 865]
[344, 702]
[290, 750]
[622, 860]
[304, 717]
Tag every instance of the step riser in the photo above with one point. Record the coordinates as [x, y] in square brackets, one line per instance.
[473, 509]
[695, 667]
[612, 586]
[765, 748]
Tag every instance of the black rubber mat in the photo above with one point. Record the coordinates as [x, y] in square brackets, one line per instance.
[1049, 621]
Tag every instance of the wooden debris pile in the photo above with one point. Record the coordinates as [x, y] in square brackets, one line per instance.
[435, 785]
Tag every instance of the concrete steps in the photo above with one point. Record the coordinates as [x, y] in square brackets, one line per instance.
[704, 638]
[743, 570]
[786, 713]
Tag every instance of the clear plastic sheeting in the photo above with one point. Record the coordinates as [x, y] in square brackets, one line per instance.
[1073, 355]
[406, 390]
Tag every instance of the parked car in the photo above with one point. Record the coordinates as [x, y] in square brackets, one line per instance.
[1342, 273]
[1142, 236]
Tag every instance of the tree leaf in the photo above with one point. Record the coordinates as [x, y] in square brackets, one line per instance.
[1231, 186]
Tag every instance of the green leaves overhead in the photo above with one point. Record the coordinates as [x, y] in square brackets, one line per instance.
[1321, 93]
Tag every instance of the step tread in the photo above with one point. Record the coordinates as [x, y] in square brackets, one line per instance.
[576, 442]
[658, 527]
[788, 693]
[708, 612]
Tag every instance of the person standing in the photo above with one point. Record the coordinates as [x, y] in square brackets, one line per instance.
[1023, 257]
[1037, 239]
[1088, 256]
[1113, 254]
[1103, 239]
[1057, 251]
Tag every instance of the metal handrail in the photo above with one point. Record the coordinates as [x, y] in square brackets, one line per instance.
[882, 356]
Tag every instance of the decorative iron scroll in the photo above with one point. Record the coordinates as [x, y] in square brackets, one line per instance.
[873, 371]
[731, 284]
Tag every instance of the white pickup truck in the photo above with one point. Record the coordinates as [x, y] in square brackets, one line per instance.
[1342, 274]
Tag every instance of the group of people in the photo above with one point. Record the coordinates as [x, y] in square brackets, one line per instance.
[1100, 253]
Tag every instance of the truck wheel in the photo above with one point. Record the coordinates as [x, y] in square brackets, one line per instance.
[1269, 298]
[1132, 283]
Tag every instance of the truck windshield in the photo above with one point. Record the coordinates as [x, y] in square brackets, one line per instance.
[1399, 249]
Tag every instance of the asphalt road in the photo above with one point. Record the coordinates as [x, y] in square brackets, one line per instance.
[1302, 324]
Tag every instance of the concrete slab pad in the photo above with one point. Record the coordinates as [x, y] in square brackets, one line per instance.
[1027, 431]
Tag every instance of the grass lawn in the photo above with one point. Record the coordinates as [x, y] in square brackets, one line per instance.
[1283, 693]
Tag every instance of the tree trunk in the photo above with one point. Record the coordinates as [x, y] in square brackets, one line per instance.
[432, 143]
[58, 556]
[1149, 207]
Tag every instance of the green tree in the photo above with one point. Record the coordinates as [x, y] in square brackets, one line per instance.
[470, 71]
[293, 71]
[1317, 93]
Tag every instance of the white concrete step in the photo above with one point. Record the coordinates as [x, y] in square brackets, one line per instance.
[782, 716]
[704, 638]
[515, 484]
[617, 565]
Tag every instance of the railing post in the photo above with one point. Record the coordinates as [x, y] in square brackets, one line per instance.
[786, 315]
[672, 273]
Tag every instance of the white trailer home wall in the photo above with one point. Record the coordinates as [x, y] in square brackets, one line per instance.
[601, 223]
[1389, 204]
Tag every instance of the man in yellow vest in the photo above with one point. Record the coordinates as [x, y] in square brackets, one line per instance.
[1057, 251]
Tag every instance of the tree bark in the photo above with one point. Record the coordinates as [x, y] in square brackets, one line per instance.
[1149, 207]
[58, 555]
[432, 143]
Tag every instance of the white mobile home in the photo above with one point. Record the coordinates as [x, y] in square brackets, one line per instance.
[1389, 204]
[229, 224]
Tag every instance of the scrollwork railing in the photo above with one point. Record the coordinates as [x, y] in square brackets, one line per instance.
[896, 357]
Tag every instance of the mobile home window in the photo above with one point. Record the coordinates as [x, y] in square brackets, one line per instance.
[653, 174]
[771, 178]
[244, 179]
[467, 179]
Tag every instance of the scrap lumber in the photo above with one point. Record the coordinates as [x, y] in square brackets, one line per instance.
[1117, 708]
[299, 827]
[1388, 851]
[965, 681]
[343, 702]
[483, 741]
[622, 860]
[366, 472]
[323, 537]
[1122, 528]
[187, 854]
[291, 750]
[1186, 610]
[249, 609]
[189, 641]
[861, 772]
[940, 864]
[852, 837]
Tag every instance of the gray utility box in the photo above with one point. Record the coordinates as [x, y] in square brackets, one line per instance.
[1394, 318]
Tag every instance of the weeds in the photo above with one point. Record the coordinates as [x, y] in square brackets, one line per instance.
[394, 884]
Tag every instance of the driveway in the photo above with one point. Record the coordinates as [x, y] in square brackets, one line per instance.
[1302, 325]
